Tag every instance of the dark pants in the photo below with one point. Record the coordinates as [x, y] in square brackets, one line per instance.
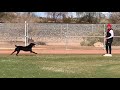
[108, 45]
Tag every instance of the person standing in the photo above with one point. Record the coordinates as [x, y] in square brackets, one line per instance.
[109, 40]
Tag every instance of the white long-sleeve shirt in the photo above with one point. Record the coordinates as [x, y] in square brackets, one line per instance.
[112, 34]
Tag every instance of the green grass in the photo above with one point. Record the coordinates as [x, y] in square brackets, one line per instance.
[59, 66]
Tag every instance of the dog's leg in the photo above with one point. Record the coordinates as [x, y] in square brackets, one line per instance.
[33, 52]
[12, 52]
[17, 53]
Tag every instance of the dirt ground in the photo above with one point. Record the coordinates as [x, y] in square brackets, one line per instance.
[60, 49]
[68, 51]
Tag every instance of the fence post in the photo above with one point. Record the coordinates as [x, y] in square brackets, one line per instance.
[61, 30]
[92, 28]
[66, 46]
[25, 34]
[104, 38]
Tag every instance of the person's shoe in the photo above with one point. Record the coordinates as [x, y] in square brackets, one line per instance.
[108, 55]
[105, 55]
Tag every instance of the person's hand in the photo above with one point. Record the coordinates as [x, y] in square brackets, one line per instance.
[106, 38]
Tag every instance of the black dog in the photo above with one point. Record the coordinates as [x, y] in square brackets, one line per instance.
[24, 48]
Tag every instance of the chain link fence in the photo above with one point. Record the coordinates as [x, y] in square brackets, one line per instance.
[57, 35]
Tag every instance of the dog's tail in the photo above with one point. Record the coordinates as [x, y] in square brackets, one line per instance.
[15, 45]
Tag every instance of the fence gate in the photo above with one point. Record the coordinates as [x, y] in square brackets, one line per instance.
[72, 36]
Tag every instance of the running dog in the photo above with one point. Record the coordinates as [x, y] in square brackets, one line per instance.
[24, 48]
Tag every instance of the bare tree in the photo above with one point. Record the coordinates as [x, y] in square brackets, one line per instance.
[80, 14]
[89, 16]
[115, 17]
[56, 15]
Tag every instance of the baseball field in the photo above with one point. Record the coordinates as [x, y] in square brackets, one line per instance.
[59, 66]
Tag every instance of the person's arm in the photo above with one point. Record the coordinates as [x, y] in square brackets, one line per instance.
[112, 34]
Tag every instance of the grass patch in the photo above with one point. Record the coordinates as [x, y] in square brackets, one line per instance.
[59, 66]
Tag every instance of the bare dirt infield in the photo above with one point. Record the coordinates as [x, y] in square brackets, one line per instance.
[68, 51]
[60, 49]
